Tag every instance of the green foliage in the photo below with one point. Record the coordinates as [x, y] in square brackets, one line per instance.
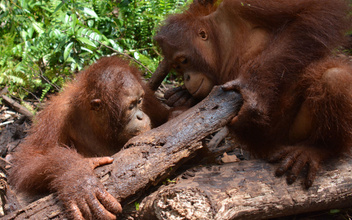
[43, 42]
[136, 204]
[335, 211]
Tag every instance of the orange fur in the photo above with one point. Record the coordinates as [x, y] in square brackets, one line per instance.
[278, 55]
[71, 128]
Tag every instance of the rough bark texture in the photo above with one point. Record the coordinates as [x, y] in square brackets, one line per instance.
[150, 157]
[147, 158]
[249, 190]
[46, 208]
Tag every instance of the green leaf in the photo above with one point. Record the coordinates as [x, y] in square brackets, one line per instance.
[90, 23]
[30, 32]
[136, 204]
[70, 60]
[86, 49]
[89, 11]
[86, 41]
[68, 50]
[136, 55]
[73, 21]
[59, 7]
[335, 211]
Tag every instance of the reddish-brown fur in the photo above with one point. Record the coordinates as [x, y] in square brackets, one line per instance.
[73, 126]
[279, 56]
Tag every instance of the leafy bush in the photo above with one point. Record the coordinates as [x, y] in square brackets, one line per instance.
[43, 42]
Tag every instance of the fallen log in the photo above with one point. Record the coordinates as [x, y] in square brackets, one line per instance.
[149, 158]
[248, 190]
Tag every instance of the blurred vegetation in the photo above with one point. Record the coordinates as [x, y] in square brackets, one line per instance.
[42, 43]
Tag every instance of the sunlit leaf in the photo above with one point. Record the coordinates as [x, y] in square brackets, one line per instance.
[116, 46]
[86, 49]
[68, 50]
[90, 12]
[86, 41]
[38, 28]
[136, 55]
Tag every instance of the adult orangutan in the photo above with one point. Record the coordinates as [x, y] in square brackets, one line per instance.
[93, 117]
[280, 56]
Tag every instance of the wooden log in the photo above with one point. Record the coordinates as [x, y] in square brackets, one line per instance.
[150, 157]
[248, 190]
[46, 208]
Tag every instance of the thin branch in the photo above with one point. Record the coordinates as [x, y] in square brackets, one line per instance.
[6, 123]
[31, 94]
[4, 91]
[18, 107]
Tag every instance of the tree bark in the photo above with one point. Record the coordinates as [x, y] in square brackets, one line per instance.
[249, 190]
[149, 158]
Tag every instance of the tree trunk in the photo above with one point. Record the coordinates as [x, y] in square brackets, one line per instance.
[248, 190]
[149, 158]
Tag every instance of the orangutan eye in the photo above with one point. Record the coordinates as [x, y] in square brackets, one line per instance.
[132, 105]
[140, 101]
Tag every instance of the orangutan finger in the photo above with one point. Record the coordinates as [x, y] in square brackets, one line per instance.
[99, 161]
[109, 202]
[74, 212]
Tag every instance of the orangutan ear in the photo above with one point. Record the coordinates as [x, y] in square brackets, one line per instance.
[203, 34]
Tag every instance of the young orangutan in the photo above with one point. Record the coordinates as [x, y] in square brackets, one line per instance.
[280, 56]
[92, 118]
